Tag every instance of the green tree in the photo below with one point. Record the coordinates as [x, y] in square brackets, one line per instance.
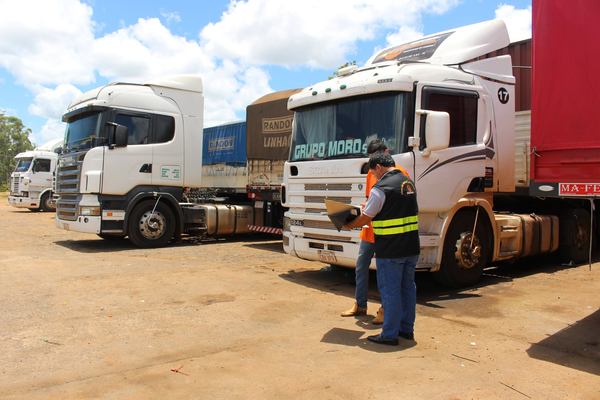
[14, 139]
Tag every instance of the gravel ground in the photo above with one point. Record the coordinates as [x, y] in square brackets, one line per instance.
[84, 318]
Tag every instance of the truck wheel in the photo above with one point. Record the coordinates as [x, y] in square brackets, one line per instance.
[574, 236]
[46, 203]
[464, 256]
[147, 229]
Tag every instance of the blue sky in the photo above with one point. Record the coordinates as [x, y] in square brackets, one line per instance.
[52, 50]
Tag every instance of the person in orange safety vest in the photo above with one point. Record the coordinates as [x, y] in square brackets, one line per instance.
[366, 249]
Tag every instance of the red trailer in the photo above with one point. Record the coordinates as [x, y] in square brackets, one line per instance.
[565, 136]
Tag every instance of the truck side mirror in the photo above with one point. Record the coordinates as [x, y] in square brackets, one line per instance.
[437, 130]
[117, 135]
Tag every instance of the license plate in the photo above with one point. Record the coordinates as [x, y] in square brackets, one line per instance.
[66, 227]
[327, 256]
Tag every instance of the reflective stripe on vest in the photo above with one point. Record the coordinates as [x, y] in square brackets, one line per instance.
[391, 226]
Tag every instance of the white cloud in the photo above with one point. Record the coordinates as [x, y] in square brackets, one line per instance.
[52, 103]
[145, 50]
[315, 33]
[148, 50]
[52, 129]
[53, 46]
[46, 41]
[404, 35]
[518, 21]
[171, 16]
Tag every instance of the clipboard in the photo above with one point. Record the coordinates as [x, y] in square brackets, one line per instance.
[341, 213]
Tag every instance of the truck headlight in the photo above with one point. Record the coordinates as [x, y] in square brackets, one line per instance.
[286, 224]
[89, 211]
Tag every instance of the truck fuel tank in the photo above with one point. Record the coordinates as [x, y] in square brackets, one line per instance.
[220, 219]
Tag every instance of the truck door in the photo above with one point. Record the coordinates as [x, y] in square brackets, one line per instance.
[130, 166]
[167, 150]
[42, 175]
[451, 171]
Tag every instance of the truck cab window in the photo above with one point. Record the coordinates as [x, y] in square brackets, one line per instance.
[462, 107]
[164, 128]
[41, 165]
[23, 165]
[138, 128]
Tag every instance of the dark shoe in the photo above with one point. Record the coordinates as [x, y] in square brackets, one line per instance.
[407, 335]
[379, 340]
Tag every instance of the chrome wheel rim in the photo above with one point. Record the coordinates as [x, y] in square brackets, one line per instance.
[152, 225]
[467, 255]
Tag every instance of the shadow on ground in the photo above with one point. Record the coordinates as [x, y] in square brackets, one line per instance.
[577, 346]
[429, 294]
[98, 245]
[274, 246]
[351, 338]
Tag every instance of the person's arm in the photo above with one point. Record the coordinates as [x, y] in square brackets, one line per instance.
[371, 209]
[362, 219]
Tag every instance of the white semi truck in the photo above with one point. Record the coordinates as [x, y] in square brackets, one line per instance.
[133, 153]
[445, 106]
[31, 181]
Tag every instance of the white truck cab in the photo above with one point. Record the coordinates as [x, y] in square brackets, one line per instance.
[31, 181]
[127, 143]
[445, 107]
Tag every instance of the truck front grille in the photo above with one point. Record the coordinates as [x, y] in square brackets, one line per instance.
[66, 207]
[327, 237]
[327, 186]
[318, 224]
[321, 199]
[69, 173]
[15, 185]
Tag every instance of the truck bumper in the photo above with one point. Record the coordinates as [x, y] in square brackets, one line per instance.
[23, 202]
[345, 254]
[81, 224]
[336, 253]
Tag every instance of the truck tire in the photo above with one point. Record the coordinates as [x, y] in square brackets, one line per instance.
[46, 203]
[462, 267]
[146, 229]
[574, 235]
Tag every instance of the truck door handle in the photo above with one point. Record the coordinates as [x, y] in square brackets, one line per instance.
[146, 169]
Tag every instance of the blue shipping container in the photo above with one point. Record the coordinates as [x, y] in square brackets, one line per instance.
[225, 144]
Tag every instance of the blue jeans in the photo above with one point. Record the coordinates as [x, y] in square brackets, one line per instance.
[396, 282]
[366, 251]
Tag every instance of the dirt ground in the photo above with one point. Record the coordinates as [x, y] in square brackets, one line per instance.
[84, 318]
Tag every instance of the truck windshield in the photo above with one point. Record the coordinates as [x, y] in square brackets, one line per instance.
[81, 132]
[23, 164]
[343, 129]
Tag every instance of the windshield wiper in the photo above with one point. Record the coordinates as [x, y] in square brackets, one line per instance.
[336, 157]
[79, 144]
[342, 156]
[304, 159]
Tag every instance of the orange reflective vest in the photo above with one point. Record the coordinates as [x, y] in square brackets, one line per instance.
[366, 233]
